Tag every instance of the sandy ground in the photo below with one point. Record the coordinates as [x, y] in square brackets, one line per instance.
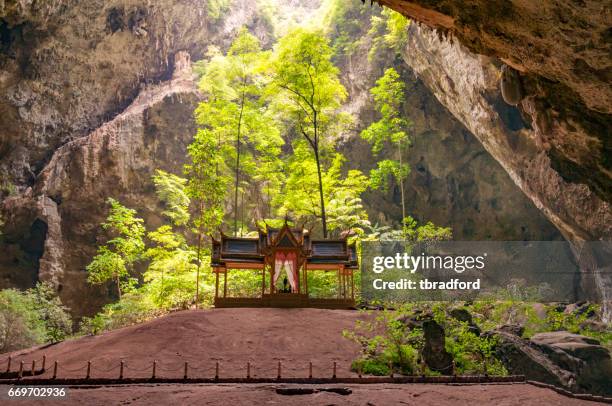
[364, 395]
[232, 337]
[202, 337]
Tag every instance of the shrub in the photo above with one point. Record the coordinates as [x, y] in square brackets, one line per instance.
[133, 308]
[20, 326]
[51, 311]
[32, 317]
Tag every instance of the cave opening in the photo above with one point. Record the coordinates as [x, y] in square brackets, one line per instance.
[34, 243]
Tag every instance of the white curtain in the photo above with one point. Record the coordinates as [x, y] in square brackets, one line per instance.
[278, 267]
[286, 262]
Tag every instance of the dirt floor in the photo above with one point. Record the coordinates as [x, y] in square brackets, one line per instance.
[202, 337]
[363, 395]
[232, 337]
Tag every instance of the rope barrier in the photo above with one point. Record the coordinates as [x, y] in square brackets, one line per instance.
[127, 366]
[104, 370]
[74, 370]
[169, 369]
[29, 369]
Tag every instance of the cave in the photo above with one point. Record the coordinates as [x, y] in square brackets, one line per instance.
[451, 121]
[33, 244]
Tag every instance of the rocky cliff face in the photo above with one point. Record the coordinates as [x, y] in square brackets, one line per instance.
[89, 108]
[453, 180]
[116, 160]
[555, 143]
[68, 66]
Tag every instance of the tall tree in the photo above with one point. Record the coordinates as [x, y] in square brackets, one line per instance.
[308, 80]
[114, 260]
[167, 278]
[206, 188]
[392, 129]
[342, 194]
[235, 113]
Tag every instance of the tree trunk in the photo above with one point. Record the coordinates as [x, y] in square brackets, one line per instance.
[197, 296]
[238, 164]
[401, 181]
[118, 286]
[323, 216]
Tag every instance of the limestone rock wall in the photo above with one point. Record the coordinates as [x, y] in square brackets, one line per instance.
[453, 181]
[468, 85]
[560, 155]
[116, 160]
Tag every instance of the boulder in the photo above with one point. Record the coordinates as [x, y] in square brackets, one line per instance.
[560, 358]
[582, 356]
[514, 329]
[462, 314]
[434, 352]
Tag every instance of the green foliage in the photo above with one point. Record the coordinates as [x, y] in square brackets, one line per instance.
[538, 318]
[388, 95]
[247, 138]
[385, 342]
[342, 22]
[308, 91]
[216, 8]
[206, 186]
[115, 260]
[133, 308]
[412, 231]
[51, 311]
[20, 326]
[389, 32]
[322, 284]
[170, 276]
[32, 317]
[392, 129]
[385, 339]
[244, 283]
[387, 169]
[171, 191]
[341, 193]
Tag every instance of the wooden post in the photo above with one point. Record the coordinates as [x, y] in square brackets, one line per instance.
[154, 369]
[20, 373]
[186, 367]
[225, 284]
[54, 370]
[121, 370]
[44, 364]
[33, 367]
[352, 285]
[390, 369]
[216, 283]
[8, 367]
[88, 370]
[278, 376]
[484, 364]
[248, 370]
[423, 366]
[217, 371]
[310, 370]
[263, 281]
[454, 370]
[334, 374]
